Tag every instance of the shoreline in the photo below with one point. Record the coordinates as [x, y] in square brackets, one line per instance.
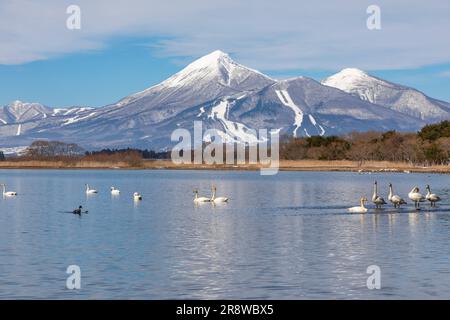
[285, 165]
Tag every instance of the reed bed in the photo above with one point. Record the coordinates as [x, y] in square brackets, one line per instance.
[285, 165]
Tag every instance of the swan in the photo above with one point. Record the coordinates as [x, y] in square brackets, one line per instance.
[360, 208]
[89, 190]
[379, 201]
[200, 199]
[432, 197]
[115, 191]
[395, 199]
[8, 193]
[416, 196]
[137, 196]
[217, 199]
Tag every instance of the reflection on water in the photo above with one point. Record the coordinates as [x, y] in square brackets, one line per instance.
[287, 236]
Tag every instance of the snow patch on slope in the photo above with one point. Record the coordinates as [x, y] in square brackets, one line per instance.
[285, 99]
[315, 124]
[68, 111]
[235, 131]
[202, 111]
[77, 118]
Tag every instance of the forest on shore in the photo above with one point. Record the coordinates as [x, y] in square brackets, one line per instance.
[429, 146]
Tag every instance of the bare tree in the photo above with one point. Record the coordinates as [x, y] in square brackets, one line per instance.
[49, 149]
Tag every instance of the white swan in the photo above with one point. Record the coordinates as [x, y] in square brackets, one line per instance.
[416, 196]
[8, 193]
[89, 190]
[198, 199]
[360, 208]
[217, 199]
[379, 201]
[395, 199]
[137, 196]
[432, 197]
[115, 191]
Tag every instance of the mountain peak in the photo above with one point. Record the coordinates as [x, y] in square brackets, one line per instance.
[403, 99]
[209, 77]
[17, 104]
[216, 66]
[348, 78]
[212, 59]
[353, 72]
[216, 54]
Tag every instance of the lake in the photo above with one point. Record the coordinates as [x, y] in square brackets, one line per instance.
[287, 236]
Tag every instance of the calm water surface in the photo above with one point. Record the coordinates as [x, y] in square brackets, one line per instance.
[282, 237]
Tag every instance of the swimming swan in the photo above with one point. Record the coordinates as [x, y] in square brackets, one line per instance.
[395, 199]
[8, 193]
[115, 191]
[217, 199]
[432, 197]
[379, 201]
[360, 208]
[137, 196]
[89, 190]
[415, 196]
[198, 199]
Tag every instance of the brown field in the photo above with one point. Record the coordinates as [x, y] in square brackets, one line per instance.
[285, 165]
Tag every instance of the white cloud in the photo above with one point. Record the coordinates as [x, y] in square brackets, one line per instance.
[445, 74]
[268, 35]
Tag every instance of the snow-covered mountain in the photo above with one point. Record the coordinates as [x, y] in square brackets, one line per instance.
[223, 95]
[303, 107]
[397, 97]
[21, 119]
[207, 78]
[22, 112]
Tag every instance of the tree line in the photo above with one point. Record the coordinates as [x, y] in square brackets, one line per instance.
[43, 150]
[431, 145]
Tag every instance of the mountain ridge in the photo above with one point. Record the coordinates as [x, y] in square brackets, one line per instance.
[236, 99]
[395, 96]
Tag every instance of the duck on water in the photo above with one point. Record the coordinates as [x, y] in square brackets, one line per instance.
[78, 211]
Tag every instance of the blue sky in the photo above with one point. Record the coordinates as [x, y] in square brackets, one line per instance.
[85, 79]
[126, 46]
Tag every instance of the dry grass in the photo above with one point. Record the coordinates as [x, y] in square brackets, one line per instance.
[287, 165]
[40, 164]
[346, 165]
